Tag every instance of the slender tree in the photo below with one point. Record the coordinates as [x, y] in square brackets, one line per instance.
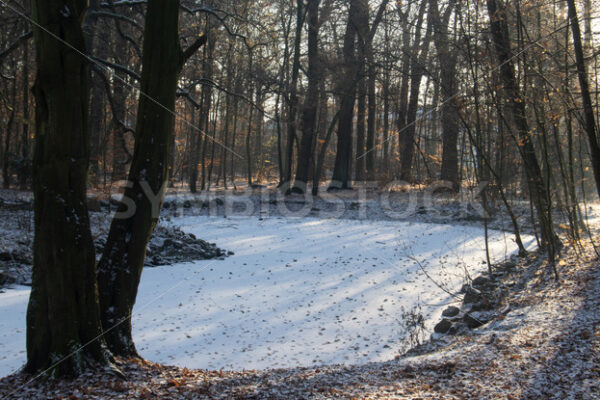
[588, 109]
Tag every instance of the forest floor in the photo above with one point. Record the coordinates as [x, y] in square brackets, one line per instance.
[313, 307]
[547, 346]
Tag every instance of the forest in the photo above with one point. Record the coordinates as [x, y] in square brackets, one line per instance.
[299, 199]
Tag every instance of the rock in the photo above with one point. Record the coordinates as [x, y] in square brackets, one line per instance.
[3, 278]
[451, 312]
[443, 326]
[7, 279]
[476, 319]
[508, 265]
[481, 281]
[483, 304]
[472, 295]
[457, 327]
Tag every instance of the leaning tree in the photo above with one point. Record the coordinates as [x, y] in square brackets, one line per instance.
[120, 268]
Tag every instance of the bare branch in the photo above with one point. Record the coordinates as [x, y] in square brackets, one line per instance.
[118, 67]
[187, 53]
[15, 45]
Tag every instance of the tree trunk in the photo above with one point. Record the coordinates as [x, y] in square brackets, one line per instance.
[588, 109]
[518, 120]
[6, 178]
[120, 155]
[309, 112]
[97, 101]
[447, 58]
[293, 95]
[347, 90]
[371, 115]
[63, 315]
[120, 267]
[24, 171]
[361, 113]
[417, 69]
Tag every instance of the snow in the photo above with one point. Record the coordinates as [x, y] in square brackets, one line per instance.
[297, 292]
[13, 306]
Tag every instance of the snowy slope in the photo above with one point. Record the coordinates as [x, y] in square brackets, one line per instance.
[297, 292]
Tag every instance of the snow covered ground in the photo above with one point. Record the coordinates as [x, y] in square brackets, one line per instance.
[297, 292]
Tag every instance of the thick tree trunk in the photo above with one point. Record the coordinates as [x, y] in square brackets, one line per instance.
[309, 112]
[519, 124]
[63, 316]
[447, 58]
[347, 90]
[120, 268]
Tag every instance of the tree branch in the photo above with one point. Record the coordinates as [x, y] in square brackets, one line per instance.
[187, 53]
[117, 67]
[14, 45]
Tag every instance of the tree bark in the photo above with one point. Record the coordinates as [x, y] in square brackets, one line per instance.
[97, 101]
[417, 69]
[588, 109]
[120, 267]
[447, 59]
[519, 124]
[293, 95]
[347, 90]
[309, 112]
[63, 316]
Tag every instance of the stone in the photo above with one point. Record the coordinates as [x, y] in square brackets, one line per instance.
[476, 319]
[483, 304]
[472, 295]
[451, 312]
[481, 281]
[6, 279]
[508, 265]
[457, 328]
[443, 326]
